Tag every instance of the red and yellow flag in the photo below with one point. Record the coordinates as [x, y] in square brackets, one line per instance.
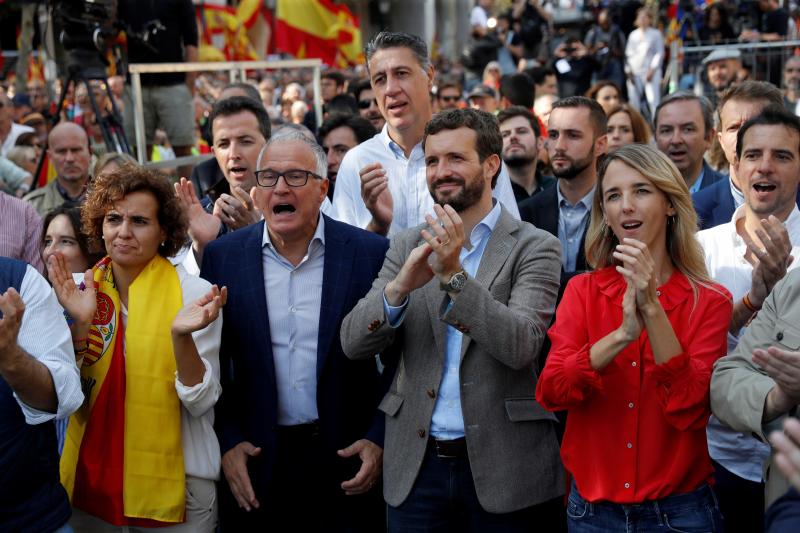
[319, 29]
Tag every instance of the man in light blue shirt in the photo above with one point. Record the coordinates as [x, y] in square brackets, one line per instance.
[468, 296]
[381, 183]
[684, 125]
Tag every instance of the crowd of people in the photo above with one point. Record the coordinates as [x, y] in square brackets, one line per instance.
[549, 298]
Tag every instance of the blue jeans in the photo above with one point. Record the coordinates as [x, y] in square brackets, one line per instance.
[692, 512]
[443, 500]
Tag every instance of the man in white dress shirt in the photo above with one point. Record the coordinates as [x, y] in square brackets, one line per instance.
[749, 255]
[39, 382]
[381, 184]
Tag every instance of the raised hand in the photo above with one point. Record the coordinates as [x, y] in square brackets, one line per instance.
[236, 210]
[446, 238]
[200, 313]
[203, 227]
[80, 304]
[377, 197]
[770, 261]
[12, 308]
[414, 273]
[638, 268]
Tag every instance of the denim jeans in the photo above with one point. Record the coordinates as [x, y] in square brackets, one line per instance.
[691, 512]
[443, 500]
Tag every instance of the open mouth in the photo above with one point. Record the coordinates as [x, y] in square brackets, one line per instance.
[396, 106]
[237, 171]
[281, 209]
[631, 225]
[764, 187]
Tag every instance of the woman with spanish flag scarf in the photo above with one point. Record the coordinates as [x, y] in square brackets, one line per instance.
[141, 451]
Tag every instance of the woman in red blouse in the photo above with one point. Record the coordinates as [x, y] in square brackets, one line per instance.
[633, 347]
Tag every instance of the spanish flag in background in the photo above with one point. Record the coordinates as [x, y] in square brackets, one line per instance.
[318, 29]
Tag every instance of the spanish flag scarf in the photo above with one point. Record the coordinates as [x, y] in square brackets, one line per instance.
[122, 459]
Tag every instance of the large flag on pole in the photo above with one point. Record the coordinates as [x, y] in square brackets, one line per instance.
[320, 29]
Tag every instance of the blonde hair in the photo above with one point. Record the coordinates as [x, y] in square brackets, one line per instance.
[682, 246]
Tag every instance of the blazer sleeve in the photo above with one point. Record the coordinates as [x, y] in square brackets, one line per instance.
[513, 332]
[683, 381]
[739, 388]
[568, 378]
[365, 331]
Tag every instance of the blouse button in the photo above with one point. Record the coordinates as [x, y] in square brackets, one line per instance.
[633, 363]
[658, 293]
[630, 405]
[627, 485]
[630, 445]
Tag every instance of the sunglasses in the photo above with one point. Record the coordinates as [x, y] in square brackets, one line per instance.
[364, 104]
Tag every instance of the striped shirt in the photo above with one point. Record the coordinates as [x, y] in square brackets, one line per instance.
[20, 231]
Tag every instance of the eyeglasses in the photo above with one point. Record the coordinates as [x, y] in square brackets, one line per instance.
[450, 98]
[364, 104]
[293, 178]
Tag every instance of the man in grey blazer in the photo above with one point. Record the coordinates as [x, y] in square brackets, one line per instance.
[465, 300]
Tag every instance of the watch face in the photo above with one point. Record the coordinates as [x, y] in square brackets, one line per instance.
[458, 281]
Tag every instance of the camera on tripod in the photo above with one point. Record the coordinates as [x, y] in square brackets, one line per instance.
[86, 28]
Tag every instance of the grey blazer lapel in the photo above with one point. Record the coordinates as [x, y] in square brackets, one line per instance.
[497, 252]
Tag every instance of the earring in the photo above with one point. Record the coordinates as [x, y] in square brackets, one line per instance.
[163, 243]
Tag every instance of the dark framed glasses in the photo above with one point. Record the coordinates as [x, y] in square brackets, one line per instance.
[293, 177]
[364, 104]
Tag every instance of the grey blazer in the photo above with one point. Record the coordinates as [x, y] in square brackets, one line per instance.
[739, 388]
[503, 314]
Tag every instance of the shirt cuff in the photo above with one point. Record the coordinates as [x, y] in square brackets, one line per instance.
[66, 380]
[194, 393]
[395, 315]
[578, 369]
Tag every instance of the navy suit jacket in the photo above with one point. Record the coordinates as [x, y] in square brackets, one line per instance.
[348, 392]
[714, 204]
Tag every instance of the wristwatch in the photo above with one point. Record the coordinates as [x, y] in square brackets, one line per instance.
[456, 283]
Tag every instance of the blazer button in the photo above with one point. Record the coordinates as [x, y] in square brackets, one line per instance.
[421, 433]
[431, 394]
[779, 336]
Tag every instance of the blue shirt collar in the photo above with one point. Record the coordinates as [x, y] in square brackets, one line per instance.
[319, 234]
[586, 200]
[395, 148]
[486, 225]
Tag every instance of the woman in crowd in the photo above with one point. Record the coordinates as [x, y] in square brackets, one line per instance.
[64, 243]
[633, 347]
[626, 126]
[606, 93]
[644, 57]
[141, 451]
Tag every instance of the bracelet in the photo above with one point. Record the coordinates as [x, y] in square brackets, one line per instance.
[749, 305]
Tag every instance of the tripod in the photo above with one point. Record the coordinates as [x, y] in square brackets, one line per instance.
[110, 122]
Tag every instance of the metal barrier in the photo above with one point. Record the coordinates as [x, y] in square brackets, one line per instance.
[234, 67]
[763, 59]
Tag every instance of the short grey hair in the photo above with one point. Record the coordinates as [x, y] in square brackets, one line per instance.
[398, 39]
[685, 96]
[287, 135]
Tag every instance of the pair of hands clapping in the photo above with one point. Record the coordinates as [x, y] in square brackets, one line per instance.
[641, 297]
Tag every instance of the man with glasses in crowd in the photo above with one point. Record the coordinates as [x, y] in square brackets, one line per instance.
[300, 440]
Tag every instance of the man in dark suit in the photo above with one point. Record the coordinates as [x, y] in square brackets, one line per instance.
[297, 424]
[684, 125]
[469, 298]
[576, 138]
[715, 204]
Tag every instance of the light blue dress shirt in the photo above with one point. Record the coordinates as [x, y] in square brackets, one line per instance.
[447, 422]
[698, 182]
[294, 297]
[572, 220]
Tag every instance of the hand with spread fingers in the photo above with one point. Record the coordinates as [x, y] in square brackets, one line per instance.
[236, 210]
[770, 261]
[79, 303]
[203, 227]
[371, 456]
[638, 268]
[787, 445]
[377, 197]
[446, 239]
[12, 308]
[196, 315]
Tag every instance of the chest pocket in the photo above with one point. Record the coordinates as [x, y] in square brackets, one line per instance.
[786, 335]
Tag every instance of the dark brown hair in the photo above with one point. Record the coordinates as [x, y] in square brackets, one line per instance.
[107, 189]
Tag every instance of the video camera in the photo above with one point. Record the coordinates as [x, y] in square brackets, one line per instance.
[86, 28]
